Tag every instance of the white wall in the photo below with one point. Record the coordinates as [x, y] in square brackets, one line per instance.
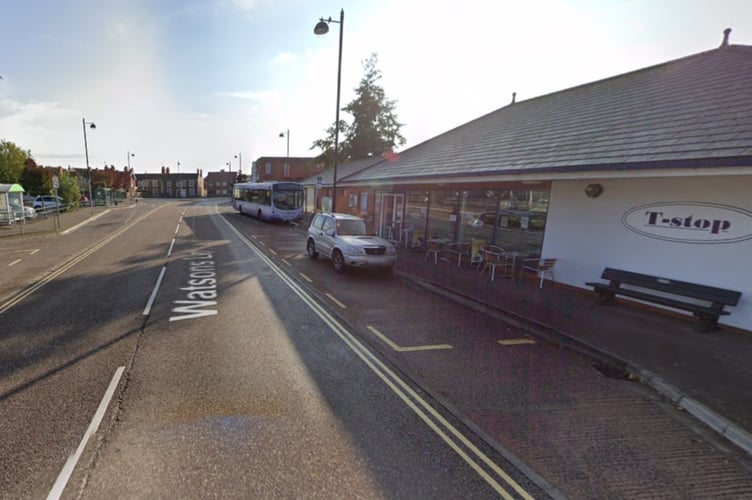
[587, 234]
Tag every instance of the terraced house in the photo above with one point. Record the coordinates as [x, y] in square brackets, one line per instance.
[649, 171]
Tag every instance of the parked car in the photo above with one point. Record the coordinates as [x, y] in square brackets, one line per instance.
[49, 203]
[29, 212]
[343, 239]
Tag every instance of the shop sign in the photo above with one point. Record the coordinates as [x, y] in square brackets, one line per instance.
[690, 222]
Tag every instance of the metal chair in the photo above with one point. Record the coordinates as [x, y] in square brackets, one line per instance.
[460, 249]
[482, 251]
[494, 259]
[435, 248]
[540, 266]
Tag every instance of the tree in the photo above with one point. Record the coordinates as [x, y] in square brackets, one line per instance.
[12, 161]
[69, 190]
[327, 146]
[35, 179]
[374, 131]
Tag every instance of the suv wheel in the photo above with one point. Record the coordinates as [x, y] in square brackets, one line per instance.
[338, 260]
[311, 249]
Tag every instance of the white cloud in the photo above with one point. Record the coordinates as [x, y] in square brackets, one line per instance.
[246, 5]
[284, 57]
[250, 95]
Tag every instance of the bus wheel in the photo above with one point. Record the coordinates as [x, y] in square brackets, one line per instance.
[338, 260]
[311, 248]
[259, 214]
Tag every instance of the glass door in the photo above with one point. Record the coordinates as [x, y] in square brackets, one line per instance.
[390, 221]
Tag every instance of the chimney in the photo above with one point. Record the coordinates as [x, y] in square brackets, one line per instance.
[725, 41]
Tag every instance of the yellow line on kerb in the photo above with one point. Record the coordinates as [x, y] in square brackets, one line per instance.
[397, 348]
[516, 341]
[333, 299]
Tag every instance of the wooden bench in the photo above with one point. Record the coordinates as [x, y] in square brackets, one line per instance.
[640, 287]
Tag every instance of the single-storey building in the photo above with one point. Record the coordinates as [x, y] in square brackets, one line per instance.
[649, 171]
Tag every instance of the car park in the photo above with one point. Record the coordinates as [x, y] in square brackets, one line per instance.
[343, 238]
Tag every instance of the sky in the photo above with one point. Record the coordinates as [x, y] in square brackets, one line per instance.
[207, 84]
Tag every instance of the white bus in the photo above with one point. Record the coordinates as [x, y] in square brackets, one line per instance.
[269, 201]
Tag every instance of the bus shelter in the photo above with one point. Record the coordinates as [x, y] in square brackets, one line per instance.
[11, 204]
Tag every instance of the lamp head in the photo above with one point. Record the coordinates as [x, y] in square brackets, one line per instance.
[92, 125]
[322, 27]
[281, 134]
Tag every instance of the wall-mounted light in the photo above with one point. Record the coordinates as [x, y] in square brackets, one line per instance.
[593, 190]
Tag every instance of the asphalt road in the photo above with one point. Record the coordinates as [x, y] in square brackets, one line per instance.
[237, 367]
[170, 357]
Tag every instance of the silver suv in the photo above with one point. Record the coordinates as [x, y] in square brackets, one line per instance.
[343, 239]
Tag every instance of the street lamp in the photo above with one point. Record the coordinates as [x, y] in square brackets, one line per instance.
[130, 178]
[239, 156]
[287, 158]
[88, 168]
[322, 28]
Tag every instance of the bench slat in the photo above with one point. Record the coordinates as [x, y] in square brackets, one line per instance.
[708, 314]
[666, 301]
[694, 290]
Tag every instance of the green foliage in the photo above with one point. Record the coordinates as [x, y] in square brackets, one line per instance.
[374, 131]
[69, 190]
[327, 146]
[36, 180]
[12, 161]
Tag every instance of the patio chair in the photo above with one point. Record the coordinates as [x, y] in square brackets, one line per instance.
[476, 258]
[460, 249]
[482, 252]
[493, 259]
[540, 267]
[435, 248]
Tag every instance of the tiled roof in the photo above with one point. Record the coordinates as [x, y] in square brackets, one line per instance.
[343, 170]
[694, 111]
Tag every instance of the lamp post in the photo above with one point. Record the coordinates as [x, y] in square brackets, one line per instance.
[88, 168]
[130, 172]
[239, 156]
[287, 158]
[322, 28]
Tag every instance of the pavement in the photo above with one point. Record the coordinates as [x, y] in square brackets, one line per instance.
[708, 375]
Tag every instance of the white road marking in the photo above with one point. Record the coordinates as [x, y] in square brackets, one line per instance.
[14, 262]
[154, 292]
[84, 222]
[309, 280]
[70, 464]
